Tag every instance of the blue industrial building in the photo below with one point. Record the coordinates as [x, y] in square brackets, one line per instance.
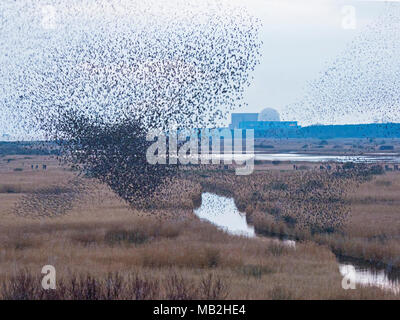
[237, 118]
[267, 125]
[290, 129]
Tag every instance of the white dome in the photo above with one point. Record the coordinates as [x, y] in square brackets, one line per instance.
[269, 114]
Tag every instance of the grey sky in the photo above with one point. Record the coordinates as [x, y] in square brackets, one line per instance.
[300, 39]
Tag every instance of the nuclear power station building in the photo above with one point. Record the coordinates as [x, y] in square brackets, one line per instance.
[267, 124]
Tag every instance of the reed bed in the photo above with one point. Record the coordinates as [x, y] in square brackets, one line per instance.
[104, 249]
[357, 218]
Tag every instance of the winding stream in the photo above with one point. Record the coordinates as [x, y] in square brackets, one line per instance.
[222, 212]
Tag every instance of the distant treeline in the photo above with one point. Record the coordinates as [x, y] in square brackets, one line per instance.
[28, 148]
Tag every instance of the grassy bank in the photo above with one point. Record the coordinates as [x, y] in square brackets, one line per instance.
[363, 218]
[103, 249]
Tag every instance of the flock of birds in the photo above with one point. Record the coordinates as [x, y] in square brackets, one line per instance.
[53, 200]
[363, 82]
[101, 75]
[104, 74]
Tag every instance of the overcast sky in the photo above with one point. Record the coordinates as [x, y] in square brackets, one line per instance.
[300, 39]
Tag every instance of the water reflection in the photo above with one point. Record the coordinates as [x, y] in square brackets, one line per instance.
[298, 157]
[369, 277]
[372, 158]
[223, 212]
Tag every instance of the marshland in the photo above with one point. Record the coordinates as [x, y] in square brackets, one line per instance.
[103, 248]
